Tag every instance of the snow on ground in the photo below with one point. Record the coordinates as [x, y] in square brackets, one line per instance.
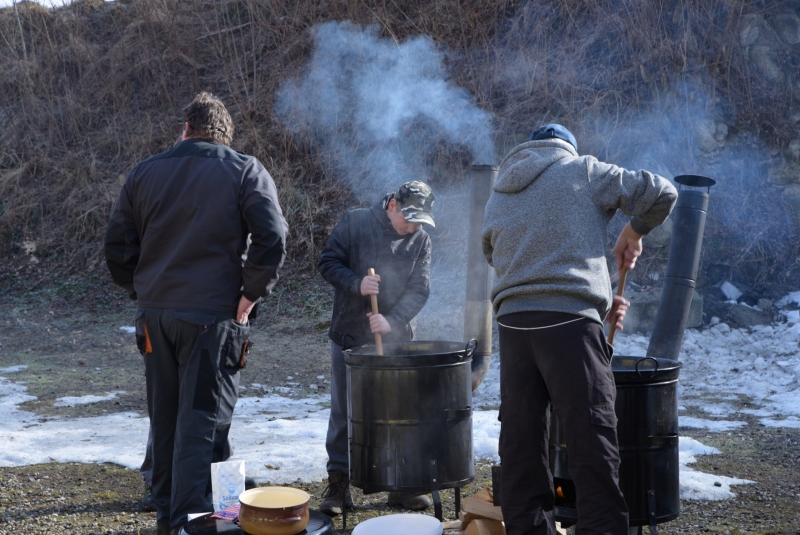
[71, 401]
[282, 440]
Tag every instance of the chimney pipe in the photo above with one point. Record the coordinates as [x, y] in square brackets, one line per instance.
[478, 312]
[689, 217]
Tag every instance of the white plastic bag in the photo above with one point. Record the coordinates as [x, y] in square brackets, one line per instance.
[227, 482]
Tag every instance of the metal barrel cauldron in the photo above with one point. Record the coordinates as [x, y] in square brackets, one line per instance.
[647, 432]
[410, 416]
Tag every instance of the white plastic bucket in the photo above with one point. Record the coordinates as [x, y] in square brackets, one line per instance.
[403, 524]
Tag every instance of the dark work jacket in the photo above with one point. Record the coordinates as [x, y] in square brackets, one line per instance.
[178, 235]
[363, 239]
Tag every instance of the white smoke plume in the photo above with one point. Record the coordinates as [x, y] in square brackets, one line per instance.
[379, 111]
[377, 108]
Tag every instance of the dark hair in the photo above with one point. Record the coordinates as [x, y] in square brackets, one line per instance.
[209, 119]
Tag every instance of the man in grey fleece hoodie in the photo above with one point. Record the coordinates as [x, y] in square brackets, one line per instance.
[545, 232]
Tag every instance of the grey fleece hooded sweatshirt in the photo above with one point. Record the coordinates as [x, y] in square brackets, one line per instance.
[545, 227]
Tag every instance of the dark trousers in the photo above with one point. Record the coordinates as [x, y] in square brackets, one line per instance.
[147, 464]
[568, 366]
[336, 439]
[192, 387]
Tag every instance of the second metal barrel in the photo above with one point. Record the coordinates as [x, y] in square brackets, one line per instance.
[647, 432]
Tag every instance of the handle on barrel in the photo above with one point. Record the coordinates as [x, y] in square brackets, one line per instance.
[374, 299]
[623, 273]
[653, 370]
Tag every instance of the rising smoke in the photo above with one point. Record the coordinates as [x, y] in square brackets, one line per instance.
[642, 85]
[377, 107]
[685, 132]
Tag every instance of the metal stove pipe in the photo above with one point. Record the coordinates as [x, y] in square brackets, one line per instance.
[689, 221]
[478, 312]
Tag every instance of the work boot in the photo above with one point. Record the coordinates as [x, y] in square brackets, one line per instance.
[147, 503]
[409, 500]
[338, 486]
[162, 527]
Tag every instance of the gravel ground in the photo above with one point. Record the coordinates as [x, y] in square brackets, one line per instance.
[103, 499]
[97, 499]
[58, 499]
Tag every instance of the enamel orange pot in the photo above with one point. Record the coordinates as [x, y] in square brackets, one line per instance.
[274, 511]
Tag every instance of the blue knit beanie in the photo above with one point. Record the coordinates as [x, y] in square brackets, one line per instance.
[550, 131]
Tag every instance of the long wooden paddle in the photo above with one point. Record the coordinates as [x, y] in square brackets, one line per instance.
[374, 299]
[620, 288]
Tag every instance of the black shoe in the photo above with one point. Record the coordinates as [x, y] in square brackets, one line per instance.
[249, 483]
[338, 486]
[162, 527]
[147, 503]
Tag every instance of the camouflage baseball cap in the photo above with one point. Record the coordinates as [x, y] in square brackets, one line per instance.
[416, 200]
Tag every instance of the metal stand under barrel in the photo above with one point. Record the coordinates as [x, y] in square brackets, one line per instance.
[437, 500]
[344, 504]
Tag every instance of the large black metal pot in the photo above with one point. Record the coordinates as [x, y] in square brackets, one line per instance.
[410, 416]
[647, 430]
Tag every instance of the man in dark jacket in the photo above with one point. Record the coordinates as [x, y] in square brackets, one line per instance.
[389, 238]
[545, 231]
[196, 237]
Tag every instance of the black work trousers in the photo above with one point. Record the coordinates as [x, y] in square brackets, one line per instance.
[192, 377]
[336, 439]
[560, 359]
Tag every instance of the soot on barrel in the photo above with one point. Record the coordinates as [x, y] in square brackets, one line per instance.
[410, 416]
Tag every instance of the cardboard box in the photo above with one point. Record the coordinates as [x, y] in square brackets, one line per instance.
[485, 495]
[483, 509]
[484, 526]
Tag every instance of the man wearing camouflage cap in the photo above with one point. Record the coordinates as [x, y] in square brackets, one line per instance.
[389, 238]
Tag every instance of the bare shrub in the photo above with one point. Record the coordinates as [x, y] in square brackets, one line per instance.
[90, 89]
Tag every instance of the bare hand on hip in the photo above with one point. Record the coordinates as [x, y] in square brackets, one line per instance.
[244, 309]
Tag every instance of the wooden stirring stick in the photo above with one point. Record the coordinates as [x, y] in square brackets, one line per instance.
[620, 288]
[374, 299]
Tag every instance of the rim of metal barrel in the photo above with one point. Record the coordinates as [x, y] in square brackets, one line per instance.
[630, 370]
[414, 353]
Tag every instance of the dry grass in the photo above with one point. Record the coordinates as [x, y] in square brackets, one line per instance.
[90, 89]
